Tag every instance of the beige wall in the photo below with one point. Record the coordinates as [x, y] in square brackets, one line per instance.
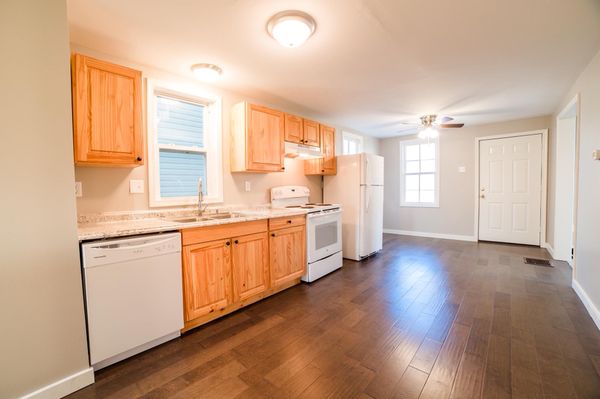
[586, 273]
[107, 189]
[455, 216]
[41, 304]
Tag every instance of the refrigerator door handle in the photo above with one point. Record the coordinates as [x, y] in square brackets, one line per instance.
[368, 195]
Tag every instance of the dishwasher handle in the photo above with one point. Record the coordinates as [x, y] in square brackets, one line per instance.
[128, 249]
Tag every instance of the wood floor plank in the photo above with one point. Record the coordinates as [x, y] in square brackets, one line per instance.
[425, 318]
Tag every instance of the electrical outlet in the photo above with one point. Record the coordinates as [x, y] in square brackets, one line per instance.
[136, 186]
[78, 189]
[247, 185]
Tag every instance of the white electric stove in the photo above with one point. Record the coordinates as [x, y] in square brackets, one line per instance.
[323, 229]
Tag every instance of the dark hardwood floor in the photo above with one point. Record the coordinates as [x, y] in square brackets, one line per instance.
[425, 318]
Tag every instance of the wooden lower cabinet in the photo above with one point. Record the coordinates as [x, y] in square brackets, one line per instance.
[250, 256]
[287, 254]
[222, 274]
[206, 278]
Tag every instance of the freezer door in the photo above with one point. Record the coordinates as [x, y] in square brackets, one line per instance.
[371, 170]
[371, 220]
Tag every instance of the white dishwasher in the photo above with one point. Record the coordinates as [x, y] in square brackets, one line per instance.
[133, 295]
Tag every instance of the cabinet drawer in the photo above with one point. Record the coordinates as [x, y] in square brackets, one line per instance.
[290, 221]
[222, 231]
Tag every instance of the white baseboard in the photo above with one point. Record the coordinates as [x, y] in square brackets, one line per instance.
[587, 302]
[549, 249]
[64, 387]
[430, 235]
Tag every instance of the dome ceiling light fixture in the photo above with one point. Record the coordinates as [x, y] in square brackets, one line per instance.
[207, 72]
[291, 28]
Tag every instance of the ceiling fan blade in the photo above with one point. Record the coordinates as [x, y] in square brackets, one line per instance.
[444, 119]
[451, 125]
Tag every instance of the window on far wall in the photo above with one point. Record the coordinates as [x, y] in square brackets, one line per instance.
[419, 173]
[352, 143]
[184, 145]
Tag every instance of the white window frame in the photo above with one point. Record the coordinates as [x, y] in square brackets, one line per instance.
[212, 144]
[352, 137]
[436, 202]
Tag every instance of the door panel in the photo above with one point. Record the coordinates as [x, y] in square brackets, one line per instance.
[510, 189]
[371, 220]
[207, 278]
[288, 254]
[250, 260]
[311, 133]
[265, 139]
[294, 130]
[328, 146]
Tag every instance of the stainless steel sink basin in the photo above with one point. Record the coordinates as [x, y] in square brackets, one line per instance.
[224, 216]
[194, 219]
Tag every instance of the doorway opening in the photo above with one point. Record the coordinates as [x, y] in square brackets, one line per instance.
[565, 192]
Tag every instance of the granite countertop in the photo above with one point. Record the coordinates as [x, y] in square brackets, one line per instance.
[105, 228]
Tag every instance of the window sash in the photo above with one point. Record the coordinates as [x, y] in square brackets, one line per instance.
[414, 196]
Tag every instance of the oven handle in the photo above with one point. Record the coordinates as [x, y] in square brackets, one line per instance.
[326, 213]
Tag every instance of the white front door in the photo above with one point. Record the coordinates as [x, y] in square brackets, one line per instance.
[510, 189]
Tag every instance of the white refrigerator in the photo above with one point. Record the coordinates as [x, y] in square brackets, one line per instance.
[358, 188]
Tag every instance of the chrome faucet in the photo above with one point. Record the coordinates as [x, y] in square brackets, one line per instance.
[201, 209]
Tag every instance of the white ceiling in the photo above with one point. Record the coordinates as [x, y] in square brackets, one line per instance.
[370, 64]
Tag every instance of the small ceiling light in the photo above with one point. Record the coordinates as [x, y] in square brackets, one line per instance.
[428, 133]
[291, 28]
[207, 72]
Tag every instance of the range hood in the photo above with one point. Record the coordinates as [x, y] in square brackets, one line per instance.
[294, 150]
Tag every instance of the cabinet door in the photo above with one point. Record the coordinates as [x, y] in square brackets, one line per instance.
[294, 129]
[287, 254]
[206, 278]
[106, 113]
[329, 165]
[311, 133]
[250, 265]
[265, 147]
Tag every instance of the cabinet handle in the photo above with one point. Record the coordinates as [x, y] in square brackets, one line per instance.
[272, 234]
[289, 222]
[138, 159]
[283, 168]
[322, 170]
[236, 242]
[228, 243]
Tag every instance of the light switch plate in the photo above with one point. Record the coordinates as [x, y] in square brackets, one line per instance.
[247, 185]
[596, 155]
[462, 169]
[136, 186]
[78, 189]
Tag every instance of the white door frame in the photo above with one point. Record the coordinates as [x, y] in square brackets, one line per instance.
[575, 101]
[544, 193]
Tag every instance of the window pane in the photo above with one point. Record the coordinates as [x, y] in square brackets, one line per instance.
[346, 147]
[428, 166]
[412, 167]
[179, 173]
[427, 182]
[412, 182]
[428, 151]
[412, 152]
[412, 196]
[179, 122]
[427, 196]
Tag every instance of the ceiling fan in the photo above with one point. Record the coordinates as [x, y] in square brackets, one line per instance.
[429, 123]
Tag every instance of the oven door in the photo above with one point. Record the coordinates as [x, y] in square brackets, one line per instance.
[324, 234]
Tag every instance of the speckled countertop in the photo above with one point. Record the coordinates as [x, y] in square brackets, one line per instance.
[101, 227]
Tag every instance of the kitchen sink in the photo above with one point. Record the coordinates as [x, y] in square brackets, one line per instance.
[194, 219]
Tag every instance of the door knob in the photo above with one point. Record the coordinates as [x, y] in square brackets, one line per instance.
[482, 196]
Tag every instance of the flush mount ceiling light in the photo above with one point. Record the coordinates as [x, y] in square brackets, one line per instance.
[291, 28]
[428, 133]
[207, 72]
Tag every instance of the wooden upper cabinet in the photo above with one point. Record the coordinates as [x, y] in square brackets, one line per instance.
[288, 254]
[328, 148]
[250, 260]
[206, 278]
[294, 129]
[257, 135]
[107, 119]
[312, 135]
[328, 164]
